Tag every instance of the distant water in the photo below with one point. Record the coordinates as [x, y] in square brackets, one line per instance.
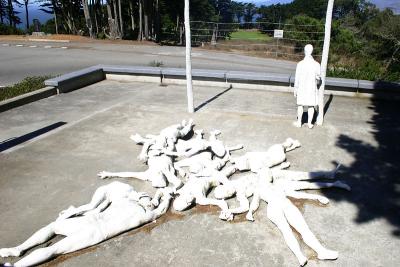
[34, 13]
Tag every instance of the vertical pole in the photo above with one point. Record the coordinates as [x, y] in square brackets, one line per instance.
[324, 62]
[189, 84]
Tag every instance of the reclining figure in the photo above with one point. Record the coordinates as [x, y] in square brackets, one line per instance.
[281, 210]
[114, 208]
[161, 167]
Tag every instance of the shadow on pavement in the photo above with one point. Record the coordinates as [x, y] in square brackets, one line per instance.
[374, 174]
[9, 143]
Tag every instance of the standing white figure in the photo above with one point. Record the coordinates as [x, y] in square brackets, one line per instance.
[114, 208]
[308, 73]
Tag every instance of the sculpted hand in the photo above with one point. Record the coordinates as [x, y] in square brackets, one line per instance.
[103, 174]
[143, 157]
[65, 214]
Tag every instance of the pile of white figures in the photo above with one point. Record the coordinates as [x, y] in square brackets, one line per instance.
[192, 168]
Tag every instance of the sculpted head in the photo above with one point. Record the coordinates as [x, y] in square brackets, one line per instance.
[308, 49]
[183, 202]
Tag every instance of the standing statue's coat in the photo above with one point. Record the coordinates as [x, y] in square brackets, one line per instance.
[308, 72]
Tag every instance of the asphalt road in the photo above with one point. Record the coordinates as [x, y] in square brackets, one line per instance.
[22, 59]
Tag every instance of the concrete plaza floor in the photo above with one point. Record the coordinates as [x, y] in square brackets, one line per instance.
[52, 150]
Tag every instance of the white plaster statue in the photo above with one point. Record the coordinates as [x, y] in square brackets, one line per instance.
[197, 187]
[161, 167]
[204, 155]
[165, 140]
[114, 208]
[197, 145]
[281, 210]
[160, 171]
[274, 156]
[308, 73]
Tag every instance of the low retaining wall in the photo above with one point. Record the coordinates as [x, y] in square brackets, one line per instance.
[236, 79]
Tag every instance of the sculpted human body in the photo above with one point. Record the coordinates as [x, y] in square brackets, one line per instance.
[161, 170]
[114, 208]
[274, 156]
[280, 210]
[308, 73]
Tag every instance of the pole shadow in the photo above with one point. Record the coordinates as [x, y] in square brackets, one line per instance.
[212, 99]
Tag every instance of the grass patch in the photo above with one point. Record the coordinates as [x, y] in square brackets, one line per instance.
[249, 35]
[156, 63]
[27, 85]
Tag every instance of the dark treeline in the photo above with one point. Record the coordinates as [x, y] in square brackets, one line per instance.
[365, 40]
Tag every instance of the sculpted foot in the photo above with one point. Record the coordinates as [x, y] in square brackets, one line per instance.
[226, 216]
[297, 124]
[327, 254]
[10, 252]
[310, 125]
[302, 260]
[323, 200]
[249, 217]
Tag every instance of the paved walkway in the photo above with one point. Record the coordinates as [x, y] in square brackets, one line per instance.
[53, 148]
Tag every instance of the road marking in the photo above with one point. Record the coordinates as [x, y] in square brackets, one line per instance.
[33, 46]
[5, 44]
[19, 45]
[47, 46]
[64, 47]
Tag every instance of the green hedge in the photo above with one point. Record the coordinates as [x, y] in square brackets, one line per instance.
[27, 85]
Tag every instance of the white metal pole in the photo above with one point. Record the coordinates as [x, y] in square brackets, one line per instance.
[324, 61]
[189, 84]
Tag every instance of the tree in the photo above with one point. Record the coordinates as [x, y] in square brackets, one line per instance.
[26, 3]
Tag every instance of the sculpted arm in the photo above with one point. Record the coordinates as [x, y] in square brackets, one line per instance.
[163, 206]
[99, 199]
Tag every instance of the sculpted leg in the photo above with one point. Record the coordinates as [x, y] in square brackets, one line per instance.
[276, 215]
[37, 238]
[310, 117]
[302, 176]
[69, 244]
[301, 185]
[295, 218]
[299, 116]
[171, 177]
[139, 175]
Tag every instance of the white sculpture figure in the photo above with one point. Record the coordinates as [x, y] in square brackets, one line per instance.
[203, 159]
[161, 167]
[275, 155]
[280, 210]
[114, 208]
[199, 144]
[196, 188]
[160, 171]
[166, 139]
[308, 73]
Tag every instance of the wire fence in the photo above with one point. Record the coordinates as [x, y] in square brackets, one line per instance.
[272, 39]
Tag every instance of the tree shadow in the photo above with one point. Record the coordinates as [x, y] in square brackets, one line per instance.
[374, 174]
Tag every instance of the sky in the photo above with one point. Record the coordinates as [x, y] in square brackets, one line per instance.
[43, 17]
